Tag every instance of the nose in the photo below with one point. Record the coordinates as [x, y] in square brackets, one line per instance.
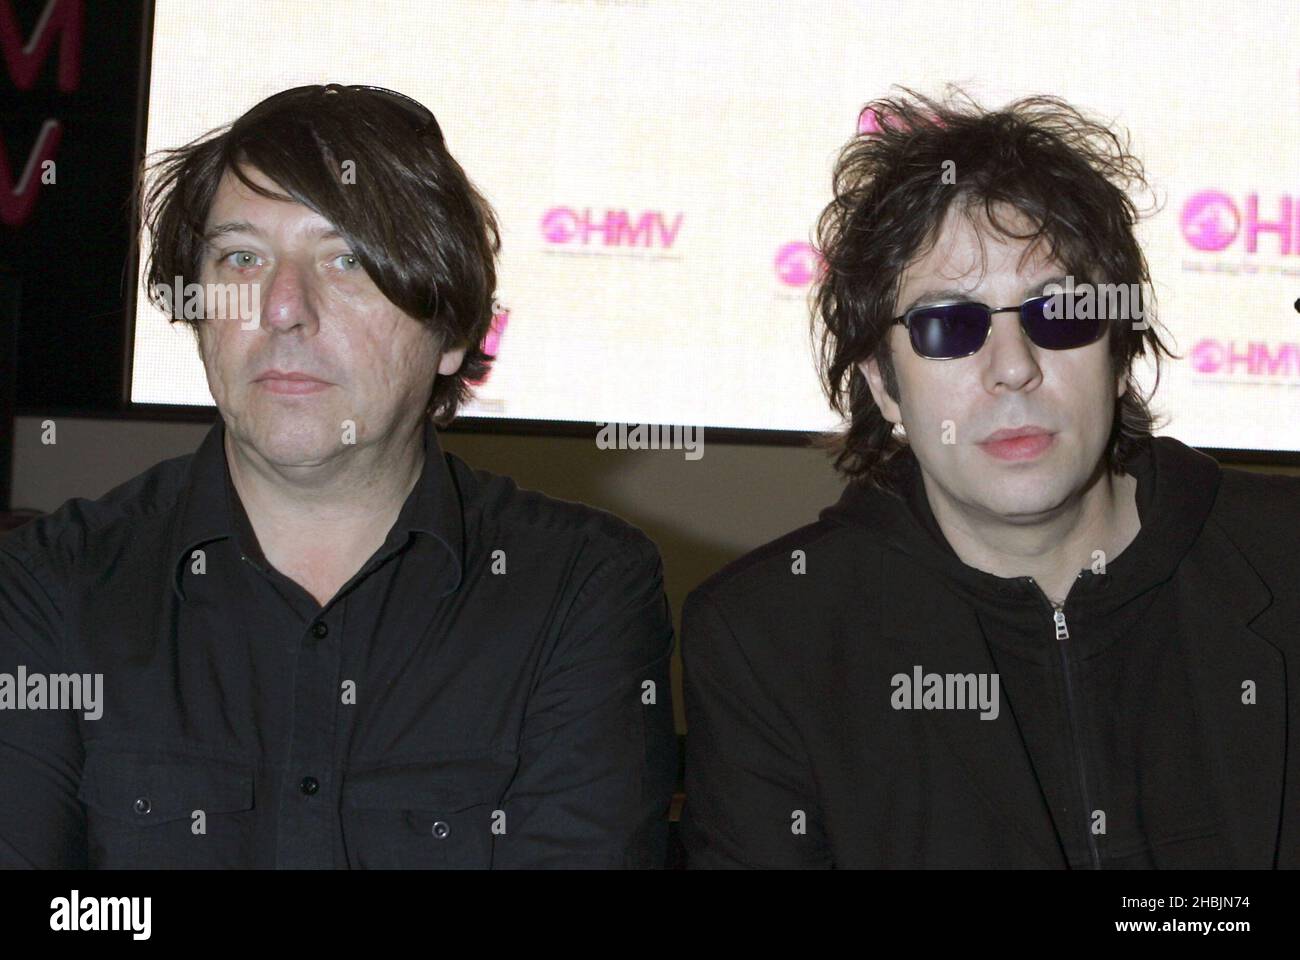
[288, 298]
[1008, 355]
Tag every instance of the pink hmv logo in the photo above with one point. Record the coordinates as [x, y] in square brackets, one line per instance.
[610, 228]
[1259, 359]
[797, 264]
[868, 122]
[492, 342]
[1212, 221]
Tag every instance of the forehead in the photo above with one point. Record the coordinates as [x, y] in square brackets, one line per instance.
[234, 196]
[968, 252]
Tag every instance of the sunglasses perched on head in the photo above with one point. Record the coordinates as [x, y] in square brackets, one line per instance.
[417, 111]
[948, 331]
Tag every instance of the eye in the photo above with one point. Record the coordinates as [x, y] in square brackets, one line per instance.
[236, 259]
[348, 261]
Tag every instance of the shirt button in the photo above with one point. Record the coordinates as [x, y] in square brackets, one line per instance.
[309, 785]
[142, 805]
[319, 630]
[440, 830]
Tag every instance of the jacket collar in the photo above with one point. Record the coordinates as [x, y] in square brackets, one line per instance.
[210, 510]
[1177, 487]
[1218, 597]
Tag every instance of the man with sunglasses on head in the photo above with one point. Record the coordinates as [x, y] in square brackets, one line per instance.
[322, 641]
[1029, 634]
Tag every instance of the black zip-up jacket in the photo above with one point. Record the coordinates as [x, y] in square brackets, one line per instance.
[858, 696]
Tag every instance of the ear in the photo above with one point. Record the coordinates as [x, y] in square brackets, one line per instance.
[876, 383]
[450, 361]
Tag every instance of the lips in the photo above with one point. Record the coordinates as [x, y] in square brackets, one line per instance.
[1019, 443]
[289, 375]
[291, 383]
[1015, 434]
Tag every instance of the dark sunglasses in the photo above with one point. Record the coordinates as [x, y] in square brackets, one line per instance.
[949, 331]
[416, 110]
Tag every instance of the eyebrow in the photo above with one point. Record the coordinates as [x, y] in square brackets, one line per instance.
[243, 226]
[940, 296]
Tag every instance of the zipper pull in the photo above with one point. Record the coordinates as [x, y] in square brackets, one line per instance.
[1062, 632]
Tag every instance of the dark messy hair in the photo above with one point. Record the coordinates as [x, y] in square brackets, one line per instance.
[1066, 173]
[420, 229]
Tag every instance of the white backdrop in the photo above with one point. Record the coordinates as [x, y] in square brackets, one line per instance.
[657, 166]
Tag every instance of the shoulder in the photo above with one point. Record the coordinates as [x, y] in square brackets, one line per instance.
[773, 621]
[1260, 514]
[498, 510]
[81, 529]
[1269, 496]
[789, 585]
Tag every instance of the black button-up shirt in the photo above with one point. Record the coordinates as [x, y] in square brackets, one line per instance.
[490, 689]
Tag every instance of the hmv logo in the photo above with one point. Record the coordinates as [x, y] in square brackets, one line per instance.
[1212, 220]
[868, 122]
[1258, 359]
[798, 264]
[492, 341]
[610, 228]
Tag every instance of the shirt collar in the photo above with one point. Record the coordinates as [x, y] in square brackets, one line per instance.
[210, 510]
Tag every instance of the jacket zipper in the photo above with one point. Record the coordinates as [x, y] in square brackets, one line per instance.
[1062, 635]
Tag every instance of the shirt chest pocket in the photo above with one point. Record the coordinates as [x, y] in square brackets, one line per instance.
[445, 813]
[145, 810]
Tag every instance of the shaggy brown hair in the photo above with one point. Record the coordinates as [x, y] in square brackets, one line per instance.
[422, 232]
[1066, 173]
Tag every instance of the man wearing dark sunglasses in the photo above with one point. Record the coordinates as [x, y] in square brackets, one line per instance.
[323, 642]
[1029, 633]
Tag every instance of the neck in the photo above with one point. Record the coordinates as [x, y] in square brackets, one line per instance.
[1055, 548]
[336, 506]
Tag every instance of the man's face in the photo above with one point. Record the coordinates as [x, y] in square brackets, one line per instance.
[1011, 382]
[320, 314]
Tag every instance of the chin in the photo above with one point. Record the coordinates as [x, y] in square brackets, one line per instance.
[296, 442]
[1031, 493]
